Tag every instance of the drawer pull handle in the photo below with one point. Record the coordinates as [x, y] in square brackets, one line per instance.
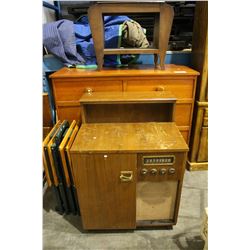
[160, 88]
[126, 176]
[88, 90]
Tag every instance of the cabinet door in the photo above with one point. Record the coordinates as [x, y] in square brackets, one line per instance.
[106, 188]
[203, 147]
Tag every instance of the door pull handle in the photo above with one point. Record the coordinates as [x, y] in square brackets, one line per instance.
[126, 176]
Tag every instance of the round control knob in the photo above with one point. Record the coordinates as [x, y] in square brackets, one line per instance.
[144, 171]
[171, 170]
[153, 171]
[163, 171]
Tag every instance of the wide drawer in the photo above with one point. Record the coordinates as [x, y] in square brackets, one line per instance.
[181, 88]
[72, 89]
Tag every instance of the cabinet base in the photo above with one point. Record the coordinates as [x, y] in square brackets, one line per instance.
[162, 224]
[196, 166]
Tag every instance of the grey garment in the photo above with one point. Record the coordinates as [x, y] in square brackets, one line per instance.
[133, 35]
[59, 39]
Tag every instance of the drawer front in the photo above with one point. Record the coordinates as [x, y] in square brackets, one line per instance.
[181, 88]
[149, 168]
[72, 89]
[183, 114]
[69, 113]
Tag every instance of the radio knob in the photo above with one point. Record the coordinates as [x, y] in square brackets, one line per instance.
[153, 171]
[171, 170]
[163, 171]
[144, 171]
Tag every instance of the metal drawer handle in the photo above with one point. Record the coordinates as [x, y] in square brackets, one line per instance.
[88, 90]
[126, 176]
[160, 88]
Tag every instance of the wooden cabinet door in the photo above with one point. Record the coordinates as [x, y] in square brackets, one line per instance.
[106, 189]
[203, 147]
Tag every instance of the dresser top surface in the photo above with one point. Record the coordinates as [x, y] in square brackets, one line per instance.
[127, 97]
[129, 137]
[135, 70]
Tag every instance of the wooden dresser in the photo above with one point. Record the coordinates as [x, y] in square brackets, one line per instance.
[69, 85]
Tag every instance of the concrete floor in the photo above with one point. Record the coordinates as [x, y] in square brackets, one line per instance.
[65, 232]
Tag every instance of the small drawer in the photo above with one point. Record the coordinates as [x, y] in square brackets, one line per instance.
[159, 166]
[183, 114]
[72, 89]
[181, 88]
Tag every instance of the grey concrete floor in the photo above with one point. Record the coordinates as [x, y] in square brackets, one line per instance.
[65, 232]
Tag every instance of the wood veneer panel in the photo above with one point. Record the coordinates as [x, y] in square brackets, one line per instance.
[129, 137]
[133, 70]
[183, 114]
[69, 113]
[105, 201]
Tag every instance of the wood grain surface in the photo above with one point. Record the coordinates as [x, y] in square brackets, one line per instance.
[105, 201]
[128, 137]
[135, 70]
[127, 97]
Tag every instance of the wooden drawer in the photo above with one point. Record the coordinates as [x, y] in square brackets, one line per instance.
[183, 113]
[69, 113]
[181, 88]
[72, 89]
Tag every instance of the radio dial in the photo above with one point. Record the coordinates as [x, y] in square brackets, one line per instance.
[171, 170]
[163, 171]
[153, 171]
[144, 171]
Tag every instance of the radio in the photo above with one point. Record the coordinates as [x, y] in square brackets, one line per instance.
[128, 173]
